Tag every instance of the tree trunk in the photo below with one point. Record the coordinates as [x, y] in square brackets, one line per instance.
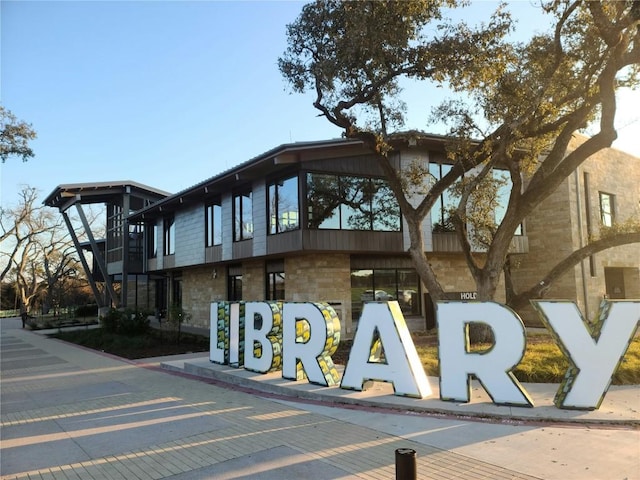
[487, 284]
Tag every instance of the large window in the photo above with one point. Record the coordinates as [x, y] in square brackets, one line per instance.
[607, 209]
[151, 231]
[504, 186]
[169, 235]
[384, 284]
[115, 227]
[440, 218]
[275, 280]
[283, 206]
[351, 203]
[213, 224]
[242, 216]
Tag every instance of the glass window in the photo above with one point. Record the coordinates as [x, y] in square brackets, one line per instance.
[235, 287]
[169, 235]
[283, 206]
[323, 198]
[385, 209]
[385, 284]
[607, 209]
[503, 193]
[355, 209]
[242, 216]
[213, 222]
[351, 203]
[152, 240]
[440, 218]
[408, 298]
[177, 292]
[275, 286]
[275, 280]
[361, 290]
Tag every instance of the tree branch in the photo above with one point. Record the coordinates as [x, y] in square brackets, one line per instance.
[537, 291]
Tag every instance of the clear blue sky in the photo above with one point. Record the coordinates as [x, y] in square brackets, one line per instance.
[165, 93]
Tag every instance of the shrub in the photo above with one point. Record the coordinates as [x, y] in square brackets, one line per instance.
[130, 322]
[176, 316]
[87, 311]
[109, 321]
[133, 322]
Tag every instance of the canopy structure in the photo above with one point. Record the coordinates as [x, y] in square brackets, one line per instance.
[120, 253]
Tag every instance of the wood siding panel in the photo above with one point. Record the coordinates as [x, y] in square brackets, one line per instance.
[152, 264]
[448, 242]
[284, 242]
[352, 241]
[243, 249]
[213, 254]
[169, 261]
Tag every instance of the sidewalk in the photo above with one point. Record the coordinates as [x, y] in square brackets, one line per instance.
[621, 405]
[68, 412]
[620, 408]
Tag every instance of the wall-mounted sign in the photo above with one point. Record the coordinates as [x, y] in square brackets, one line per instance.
[299, 339]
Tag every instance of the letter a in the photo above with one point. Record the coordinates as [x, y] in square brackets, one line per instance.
[402, 367]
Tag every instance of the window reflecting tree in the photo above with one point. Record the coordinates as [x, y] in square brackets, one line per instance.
[351, 203]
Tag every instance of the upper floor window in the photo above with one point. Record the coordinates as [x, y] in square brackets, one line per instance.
[151, 232]
[213, 224]
[607, 209]
[496, 195]
[283, 206]
[169, 225]
[242, 216]
[440, 218]
[503, 191]
[351, 203]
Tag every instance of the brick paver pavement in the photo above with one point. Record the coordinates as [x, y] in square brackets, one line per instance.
[69, 413]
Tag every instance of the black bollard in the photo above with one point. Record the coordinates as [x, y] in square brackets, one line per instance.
[405, 464]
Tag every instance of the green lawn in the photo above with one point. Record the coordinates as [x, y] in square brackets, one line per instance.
[543, 362]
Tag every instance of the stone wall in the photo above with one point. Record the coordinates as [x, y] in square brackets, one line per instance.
[454, 275]
[253, 281]
[199, 289]
[322, 277]
[565, 221]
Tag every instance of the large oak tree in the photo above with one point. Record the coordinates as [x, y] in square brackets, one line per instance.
[514, 103]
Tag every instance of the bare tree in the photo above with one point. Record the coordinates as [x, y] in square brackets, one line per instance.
[38, 252]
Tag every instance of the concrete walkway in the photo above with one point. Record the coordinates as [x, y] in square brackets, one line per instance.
[69, 412]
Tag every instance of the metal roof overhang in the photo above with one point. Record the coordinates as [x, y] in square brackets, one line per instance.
[269, 163]
[63, 196]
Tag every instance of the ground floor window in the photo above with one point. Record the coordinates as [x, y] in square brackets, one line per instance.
[382, 284]
[235, 283]
[161, 298]
[176, 292]
[275, 280]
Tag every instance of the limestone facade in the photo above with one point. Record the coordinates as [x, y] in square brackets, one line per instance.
[566, 220]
